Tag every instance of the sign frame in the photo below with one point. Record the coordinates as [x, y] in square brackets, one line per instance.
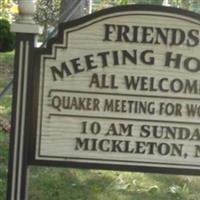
[25, 103]
[34, 96]
[26, 92]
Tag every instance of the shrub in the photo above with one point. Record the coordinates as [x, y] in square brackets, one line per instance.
[7, 39]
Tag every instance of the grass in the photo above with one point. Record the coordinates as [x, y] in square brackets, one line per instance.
[6, 68]
[6, 74]
[77, 184]
[6, 71]
[7, 58]
[4, 138]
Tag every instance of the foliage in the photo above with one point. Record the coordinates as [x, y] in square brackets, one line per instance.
[47, 13]
[7, 39]
[186, 4]
[121, 2]
[8, 10]
[155, 2]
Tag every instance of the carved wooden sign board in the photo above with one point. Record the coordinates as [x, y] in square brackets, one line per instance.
[120, 90]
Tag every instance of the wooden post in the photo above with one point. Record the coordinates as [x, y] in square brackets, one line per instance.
[18, 158]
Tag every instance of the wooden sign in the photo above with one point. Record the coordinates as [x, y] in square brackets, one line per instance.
[120, 89]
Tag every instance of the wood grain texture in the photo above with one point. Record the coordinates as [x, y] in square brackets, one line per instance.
[156, 118]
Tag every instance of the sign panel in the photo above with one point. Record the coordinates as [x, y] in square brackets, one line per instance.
[121, 88]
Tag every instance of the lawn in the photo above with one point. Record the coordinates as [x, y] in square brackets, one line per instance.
[77, 184]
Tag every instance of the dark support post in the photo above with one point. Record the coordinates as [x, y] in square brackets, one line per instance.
[18, 159]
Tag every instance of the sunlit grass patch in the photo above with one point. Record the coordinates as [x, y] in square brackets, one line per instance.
[4, 141]
[5, 106]
[7, 59]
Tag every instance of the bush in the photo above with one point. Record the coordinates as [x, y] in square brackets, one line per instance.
[7, 39]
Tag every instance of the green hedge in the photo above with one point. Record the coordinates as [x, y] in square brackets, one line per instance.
[7, 39]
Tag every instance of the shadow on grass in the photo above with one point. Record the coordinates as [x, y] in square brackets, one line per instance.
[75, 184]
